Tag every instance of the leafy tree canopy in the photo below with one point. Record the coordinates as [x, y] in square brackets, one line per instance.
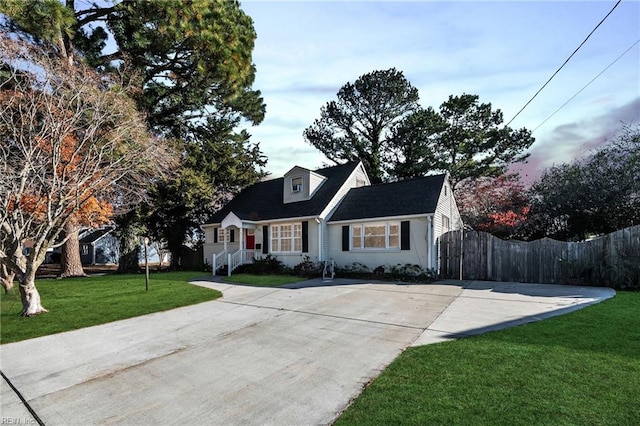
[464, 138]
[73, 146]
[359, 123]
[190, 59]
[187, 64]
[220, 159]
[598, 194]
[378, 120]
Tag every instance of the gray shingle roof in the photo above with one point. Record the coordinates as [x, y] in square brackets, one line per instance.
[94, 236]
[264, 200]
[408, 197]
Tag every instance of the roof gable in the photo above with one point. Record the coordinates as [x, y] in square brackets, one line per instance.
[301, 184]
[95, 235]
[403, 198]
[264, 200]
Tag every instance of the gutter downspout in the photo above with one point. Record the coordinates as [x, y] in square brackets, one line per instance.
[319, 222]
[430, 241]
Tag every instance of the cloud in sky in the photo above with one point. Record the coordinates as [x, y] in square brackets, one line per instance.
[501, 51]
[575, 140]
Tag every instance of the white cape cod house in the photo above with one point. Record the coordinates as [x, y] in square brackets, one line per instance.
[333, 213]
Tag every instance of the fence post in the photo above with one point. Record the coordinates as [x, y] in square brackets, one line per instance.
[461, 251]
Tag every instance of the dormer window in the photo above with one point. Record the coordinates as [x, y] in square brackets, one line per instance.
[296, 184]
[300, 184]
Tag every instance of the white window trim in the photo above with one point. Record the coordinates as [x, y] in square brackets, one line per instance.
[387, 234]
[223, 235]
[299, 186]
[292, 238]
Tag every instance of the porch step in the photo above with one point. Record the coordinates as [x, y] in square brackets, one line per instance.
[222, 271]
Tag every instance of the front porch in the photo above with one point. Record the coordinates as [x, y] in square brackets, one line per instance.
[228, 262]
[237, 241]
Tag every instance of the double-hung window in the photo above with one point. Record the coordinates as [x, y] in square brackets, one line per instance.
[286, 238]
[376, 236]
[296, 184]
[223, 235]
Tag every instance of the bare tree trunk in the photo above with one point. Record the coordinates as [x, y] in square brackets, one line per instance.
[6, 278]
[70, 262]
[29, 294]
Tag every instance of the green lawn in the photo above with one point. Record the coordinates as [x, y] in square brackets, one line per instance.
[263, 280]
[582, 368]
[82, 302]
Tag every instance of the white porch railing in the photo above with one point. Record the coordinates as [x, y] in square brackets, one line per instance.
[231, 260]
[218, 261]
[247, 256]
[235, 260]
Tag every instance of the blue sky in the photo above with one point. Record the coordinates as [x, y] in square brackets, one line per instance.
[502, 51]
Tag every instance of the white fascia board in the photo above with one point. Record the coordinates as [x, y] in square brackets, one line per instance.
[255, 223]
[210, 225]
[381, 219]
[328, 211]
[231, 219]
[285, 220]
[295, 170]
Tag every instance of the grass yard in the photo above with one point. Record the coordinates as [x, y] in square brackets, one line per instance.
[263, 280]
[82, 302]
[576, 369]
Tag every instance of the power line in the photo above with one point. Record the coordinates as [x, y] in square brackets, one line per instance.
[587, 85]
[565, 63]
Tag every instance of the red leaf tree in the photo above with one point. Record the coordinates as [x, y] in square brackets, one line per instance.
[73, 147]
[495, 205]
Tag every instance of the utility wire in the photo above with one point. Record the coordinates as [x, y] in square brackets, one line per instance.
[587, 85]
[565, 63]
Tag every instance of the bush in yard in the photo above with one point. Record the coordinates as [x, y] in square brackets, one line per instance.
[267, 265]
[414, 273]
[407, 272]
[355, 270]
[308, 268]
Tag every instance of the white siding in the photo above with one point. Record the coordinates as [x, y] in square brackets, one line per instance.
[446, 206]
[315, 181]
[210, 248]
[417, 255]
[292, 259]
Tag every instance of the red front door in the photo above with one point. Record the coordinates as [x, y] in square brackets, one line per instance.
[250, 241]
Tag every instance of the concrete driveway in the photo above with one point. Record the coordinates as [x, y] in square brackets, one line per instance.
[258, 356]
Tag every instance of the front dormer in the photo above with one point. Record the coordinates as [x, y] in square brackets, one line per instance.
[301, 184]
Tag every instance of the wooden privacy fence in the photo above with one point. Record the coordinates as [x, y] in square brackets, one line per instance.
[611, 260]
